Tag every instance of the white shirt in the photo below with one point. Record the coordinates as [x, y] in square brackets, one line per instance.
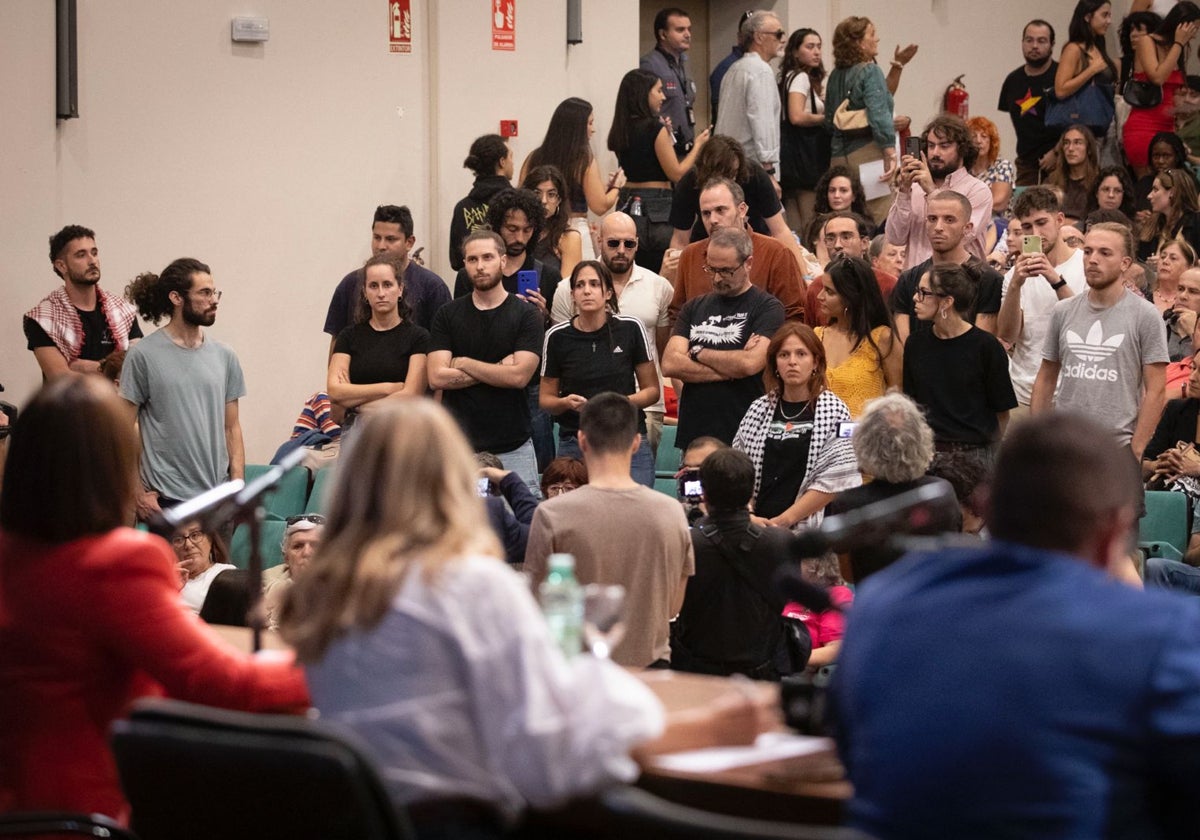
[1037, 301]
[646, 297]
[460, 692]
[750, 109]
[196, 589]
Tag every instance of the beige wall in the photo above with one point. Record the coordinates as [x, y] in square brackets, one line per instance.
[266, 161]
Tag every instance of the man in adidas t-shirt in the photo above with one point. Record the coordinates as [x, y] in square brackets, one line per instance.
[1108, 345]
[1032, 288]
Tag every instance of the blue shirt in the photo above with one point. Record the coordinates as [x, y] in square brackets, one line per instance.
[1017, 692]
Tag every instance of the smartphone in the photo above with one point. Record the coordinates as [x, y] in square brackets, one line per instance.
[846, 429]
[1031, 245]
[483, 487]
[527, 281]
[912, 147]
[689, 487]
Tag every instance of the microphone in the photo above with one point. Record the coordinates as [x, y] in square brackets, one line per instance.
[877, 523]
[210, 507]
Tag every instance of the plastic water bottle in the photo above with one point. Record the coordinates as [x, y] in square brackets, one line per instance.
[562, 604]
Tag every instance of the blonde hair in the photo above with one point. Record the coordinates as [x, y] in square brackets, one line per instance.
[404, 496]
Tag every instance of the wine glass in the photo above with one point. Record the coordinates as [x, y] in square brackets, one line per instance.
[603, 617]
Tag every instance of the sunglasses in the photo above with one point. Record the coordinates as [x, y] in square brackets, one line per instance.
[314, 518]
[780, 34]
[614, 244]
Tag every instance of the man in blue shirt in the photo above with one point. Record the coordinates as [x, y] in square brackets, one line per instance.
[1017, 690]
[668, 61]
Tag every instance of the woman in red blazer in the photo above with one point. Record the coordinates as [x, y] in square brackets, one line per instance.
[90, 617]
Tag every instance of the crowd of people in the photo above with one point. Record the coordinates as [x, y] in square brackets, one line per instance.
[831, 308]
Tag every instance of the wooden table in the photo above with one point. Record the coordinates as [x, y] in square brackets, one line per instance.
[809, 789]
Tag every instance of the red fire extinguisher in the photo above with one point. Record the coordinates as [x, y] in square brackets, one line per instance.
[957, 101]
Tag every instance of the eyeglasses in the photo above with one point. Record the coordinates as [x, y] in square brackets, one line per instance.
[559, 489]
[923, 293]
[723, 273]
[314, 518]
[614, 244]
[207, 294]
[194, 537]
[780, 34]
[548, 195]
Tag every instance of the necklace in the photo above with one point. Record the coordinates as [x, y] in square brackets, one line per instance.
[795, 416]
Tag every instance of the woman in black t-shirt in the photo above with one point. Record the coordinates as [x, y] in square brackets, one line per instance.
[596, 351]
[382, 356]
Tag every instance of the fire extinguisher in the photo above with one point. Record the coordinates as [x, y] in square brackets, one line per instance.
[957, 101]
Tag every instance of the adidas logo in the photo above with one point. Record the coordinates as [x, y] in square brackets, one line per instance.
[1094, 347]
[618, 349]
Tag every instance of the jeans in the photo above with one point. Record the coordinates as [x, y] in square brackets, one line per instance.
[523, 462]
[641, 469]
[542, 427]
[1172, 574]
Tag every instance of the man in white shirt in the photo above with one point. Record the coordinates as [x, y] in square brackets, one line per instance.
[1033, 285]
[945, 164]
[750, 93]
[640, 293]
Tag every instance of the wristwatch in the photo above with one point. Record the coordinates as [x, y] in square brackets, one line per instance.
[1058, 285]
[694, 352]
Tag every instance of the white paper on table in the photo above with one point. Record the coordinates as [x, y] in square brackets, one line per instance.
[869, 174]
[770, 746]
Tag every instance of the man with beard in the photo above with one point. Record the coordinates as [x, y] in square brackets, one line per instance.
[1025, 95]
[718, 347]
[424, 292]
[846, 234]
[668, 61]
[484, 349]
[183, 389]
[640, 293]
[774, 269]
[945, 163]
[948, 228]
[75, 327]
[518, 215]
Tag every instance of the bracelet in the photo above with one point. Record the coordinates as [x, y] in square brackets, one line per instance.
[898, 65]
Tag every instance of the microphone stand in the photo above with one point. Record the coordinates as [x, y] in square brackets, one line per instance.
[240, 503]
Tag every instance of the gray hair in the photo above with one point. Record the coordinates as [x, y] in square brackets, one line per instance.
[892, 440]
[734, 238]
[735, 189]
[877, 245]
[751, 26]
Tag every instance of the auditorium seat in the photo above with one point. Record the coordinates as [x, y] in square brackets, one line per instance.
[269, 544]
[667, 461]
[1167, 521]
[289, 497]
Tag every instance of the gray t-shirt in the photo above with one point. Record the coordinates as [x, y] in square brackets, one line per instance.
[181, 396]
[1102, 352]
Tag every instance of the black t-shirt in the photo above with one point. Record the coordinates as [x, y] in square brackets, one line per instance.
[98, 339]
[1025, 99]
[961, 382]
[381, 355]
[590, 363]
[987, 295]
[1178, 423]
[761, 200]
[723, 323]
[785, 458]
[944, 518]
[494, 419]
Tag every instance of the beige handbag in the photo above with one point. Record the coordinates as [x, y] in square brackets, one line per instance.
[847, 119]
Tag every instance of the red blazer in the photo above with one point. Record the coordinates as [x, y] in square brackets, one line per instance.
[86, 627]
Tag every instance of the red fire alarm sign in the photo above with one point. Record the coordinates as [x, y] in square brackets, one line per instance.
[508, 128]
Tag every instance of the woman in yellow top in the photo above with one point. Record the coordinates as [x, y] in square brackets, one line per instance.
[863, 354]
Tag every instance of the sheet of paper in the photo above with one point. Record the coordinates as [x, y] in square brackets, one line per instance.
[770, 746]
[869, 174]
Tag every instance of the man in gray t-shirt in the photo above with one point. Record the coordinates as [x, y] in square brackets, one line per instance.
[1109, 346]
[183, 388]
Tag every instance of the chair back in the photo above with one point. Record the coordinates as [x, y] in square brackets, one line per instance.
[194, 773]
[1167, 520]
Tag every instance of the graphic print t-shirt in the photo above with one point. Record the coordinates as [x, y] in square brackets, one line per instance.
[1102, 352]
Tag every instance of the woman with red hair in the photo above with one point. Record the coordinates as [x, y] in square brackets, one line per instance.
[995, 171]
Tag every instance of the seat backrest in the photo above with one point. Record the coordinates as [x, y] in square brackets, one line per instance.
[668, 458]
[196, 773]
[289, 497]
[317, 501]
[270, 544]
[629, 812]
[1166, 520]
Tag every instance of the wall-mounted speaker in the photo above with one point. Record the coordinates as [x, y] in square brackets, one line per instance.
[67, 82]
[574, 21]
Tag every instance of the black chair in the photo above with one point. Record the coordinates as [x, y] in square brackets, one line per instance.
[57, 823]
[195, 773]
[630, 812]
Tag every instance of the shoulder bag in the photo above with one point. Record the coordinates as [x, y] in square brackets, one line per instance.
[1091, 105]
[803, 150]
[847, 120]
[1142, 94]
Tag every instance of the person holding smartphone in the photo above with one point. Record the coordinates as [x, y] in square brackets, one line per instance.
[598, 350]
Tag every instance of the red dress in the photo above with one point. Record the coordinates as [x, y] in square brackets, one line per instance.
[87, 627]
[1144, 123]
